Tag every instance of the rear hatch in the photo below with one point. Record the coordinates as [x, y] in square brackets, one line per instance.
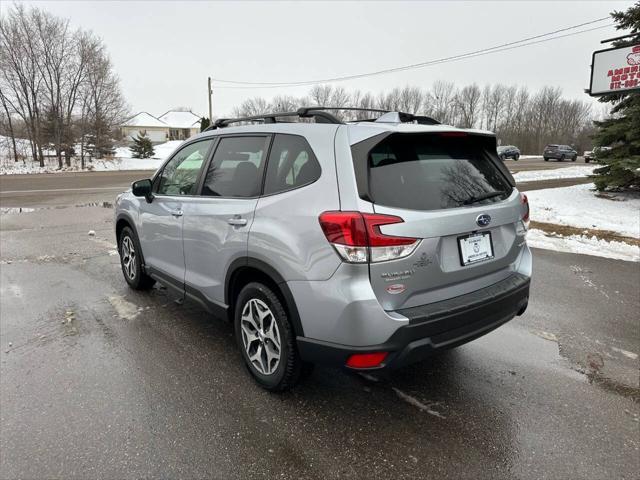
[451, 191]
[551, 149]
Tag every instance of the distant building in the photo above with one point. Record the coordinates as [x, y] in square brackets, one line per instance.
[172, 125]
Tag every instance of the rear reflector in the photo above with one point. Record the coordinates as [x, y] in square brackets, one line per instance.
[366, 360]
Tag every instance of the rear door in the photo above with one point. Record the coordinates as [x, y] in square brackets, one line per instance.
[452, 192]
[217, 222]
[161, 220]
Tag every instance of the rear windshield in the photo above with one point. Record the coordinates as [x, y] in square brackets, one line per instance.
[432, 172]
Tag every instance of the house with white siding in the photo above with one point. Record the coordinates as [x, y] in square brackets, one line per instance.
[171, 125]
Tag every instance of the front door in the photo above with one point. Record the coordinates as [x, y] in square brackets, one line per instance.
[216, 224]
[161, 220]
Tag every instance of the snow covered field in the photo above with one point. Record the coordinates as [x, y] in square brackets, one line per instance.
[578, 206]
[579, 171]
[122, 161]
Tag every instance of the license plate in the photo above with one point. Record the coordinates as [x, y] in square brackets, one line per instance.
[475, 248]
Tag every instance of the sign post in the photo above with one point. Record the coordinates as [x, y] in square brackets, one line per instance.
[615, 70]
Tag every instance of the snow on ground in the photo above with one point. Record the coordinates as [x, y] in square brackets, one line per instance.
[577, 171]
[578, 206]
[122, 161]
[161, 151]
[585, 245]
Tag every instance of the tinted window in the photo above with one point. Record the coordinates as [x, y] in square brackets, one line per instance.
[180, 175]
[431, 172]
[292, 164]
[236, 167]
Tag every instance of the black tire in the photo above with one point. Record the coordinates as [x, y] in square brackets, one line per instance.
[289, 368]
[562, 158]
[132, 271]
[502, 158]
[516, 157]
[546, 159]
[575, 157]
[586, 160]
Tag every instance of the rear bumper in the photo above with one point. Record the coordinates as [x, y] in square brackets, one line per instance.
[434, 327]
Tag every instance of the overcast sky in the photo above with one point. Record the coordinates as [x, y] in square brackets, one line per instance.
[163, 51]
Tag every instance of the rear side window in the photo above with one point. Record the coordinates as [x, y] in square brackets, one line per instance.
[292, 164]
[236, 168]
[432, 172]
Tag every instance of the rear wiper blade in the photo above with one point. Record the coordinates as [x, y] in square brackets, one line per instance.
[484, 196]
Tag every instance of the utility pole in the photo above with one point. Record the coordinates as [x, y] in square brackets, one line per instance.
[209, 92]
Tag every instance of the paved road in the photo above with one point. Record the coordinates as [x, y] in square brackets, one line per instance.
[98, 381]
[538, 163]
[74, 188]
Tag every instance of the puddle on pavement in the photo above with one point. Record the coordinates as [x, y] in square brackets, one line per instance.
[16, 210]
[124, 308]
[592, 369]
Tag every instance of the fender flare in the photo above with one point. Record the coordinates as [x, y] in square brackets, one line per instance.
[127, 218]
[277, 278]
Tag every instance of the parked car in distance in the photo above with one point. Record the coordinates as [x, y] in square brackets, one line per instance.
[592, 155]
[508, 151]
[560, 153]
[365, 245]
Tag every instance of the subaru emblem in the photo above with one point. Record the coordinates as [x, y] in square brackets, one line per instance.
[483, 220]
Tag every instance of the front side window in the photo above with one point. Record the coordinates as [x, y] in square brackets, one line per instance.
[180, 175]
[236, 168]
[292, 164]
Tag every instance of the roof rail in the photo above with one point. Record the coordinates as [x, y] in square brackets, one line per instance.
[305, 112]
[399, 117]
[322, 116]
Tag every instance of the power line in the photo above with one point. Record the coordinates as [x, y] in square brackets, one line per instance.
[476, 53]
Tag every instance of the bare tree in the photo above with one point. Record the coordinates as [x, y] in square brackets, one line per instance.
[12, 136]
[104, 106]
[21, 78]
[468, 103]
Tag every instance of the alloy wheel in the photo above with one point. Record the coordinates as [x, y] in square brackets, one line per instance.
[128, 257]
[260, 336]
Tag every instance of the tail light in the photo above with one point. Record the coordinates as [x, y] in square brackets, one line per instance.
[525, 204]
[357, 237]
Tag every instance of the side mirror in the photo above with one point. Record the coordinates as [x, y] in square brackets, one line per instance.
[142, 188]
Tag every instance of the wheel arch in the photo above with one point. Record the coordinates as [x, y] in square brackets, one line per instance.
[248, 269]
[124, 220]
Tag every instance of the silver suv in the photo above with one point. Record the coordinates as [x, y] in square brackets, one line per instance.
[368, 244]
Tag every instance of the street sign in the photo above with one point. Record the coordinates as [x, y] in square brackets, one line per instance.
[615, 70]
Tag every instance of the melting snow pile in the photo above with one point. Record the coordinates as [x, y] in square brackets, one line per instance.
[578, 206]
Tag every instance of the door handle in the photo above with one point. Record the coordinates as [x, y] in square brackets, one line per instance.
[177, 213]
[237, 222]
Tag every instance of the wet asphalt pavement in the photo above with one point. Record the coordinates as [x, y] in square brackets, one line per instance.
[99, 381]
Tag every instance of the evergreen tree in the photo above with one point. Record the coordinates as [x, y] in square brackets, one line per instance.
[621, 132]
[204, 123]
[142, 147]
